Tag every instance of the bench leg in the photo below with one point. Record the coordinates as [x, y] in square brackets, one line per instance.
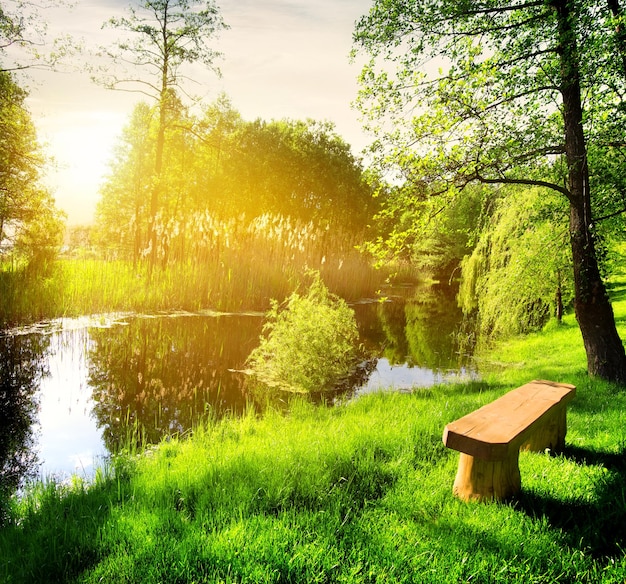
[549, 434]
[486, 480]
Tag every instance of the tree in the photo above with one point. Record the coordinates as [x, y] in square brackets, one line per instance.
[518, 274]
[224, 167]
[301, 169]
[165, 35]
[508, 98]
[23, 37]
[29, 222]
[122, 211]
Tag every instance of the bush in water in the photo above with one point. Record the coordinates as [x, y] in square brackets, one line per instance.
[309, 343]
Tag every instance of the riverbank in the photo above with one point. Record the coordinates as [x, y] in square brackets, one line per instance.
[235, 280]
[357, 493]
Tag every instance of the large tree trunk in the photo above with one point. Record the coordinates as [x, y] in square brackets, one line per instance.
[605, 352]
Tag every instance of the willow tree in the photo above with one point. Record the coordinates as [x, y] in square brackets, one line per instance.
[489, 91]
[518, 275]
[161, 36]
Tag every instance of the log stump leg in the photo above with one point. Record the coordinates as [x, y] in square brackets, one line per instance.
[486, 480]
[550, 433]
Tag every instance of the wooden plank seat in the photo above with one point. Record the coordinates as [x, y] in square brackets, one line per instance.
[489, 439]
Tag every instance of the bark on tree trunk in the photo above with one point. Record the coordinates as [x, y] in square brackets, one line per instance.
[160, 144]
[558, 313]
[605, 352]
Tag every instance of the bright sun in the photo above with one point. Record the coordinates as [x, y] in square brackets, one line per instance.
[82, 145]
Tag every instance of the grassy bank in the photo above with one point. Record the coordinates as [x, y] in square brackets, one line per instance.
[75, 287]
[229, 264]
[357, 493]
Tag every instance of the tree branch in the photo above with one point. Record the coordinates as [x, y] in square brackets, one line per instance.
[523, 181]
[609, 216]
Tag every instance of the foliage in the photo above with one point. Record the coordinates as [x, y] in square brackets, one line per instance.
[479, 87]
[432, 234]
[519, 274]
[31, 228]
[447, 233]
[161, 37]
[226, 168]
[164, 35]
[505, 93]
[296, 168]
[309, 344]
[23, 37]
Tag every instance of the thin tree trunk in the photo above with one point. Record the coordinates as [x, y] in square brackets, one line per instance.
[605, 352]
[160, 145]
[137, 235]
[156, 187]
[558, 313]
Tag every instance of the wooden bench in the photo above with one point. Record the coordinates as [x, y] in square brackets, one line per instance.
[489, 439]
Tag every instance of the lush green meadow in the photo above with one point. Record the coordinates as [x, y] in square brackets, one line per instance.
[355, 493]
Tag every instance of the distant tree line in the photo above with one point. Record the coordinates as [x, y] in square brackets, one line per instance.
[218, 166]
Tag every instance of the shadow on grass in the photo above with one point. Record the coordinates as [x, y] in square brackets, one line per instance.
[60, 537]
[598, 526]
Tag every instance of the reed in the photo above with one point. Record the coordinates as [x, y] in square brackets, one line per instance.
[229, 265]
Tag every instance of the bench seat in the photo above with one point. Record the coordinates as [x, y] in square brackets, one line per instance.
[489, 439]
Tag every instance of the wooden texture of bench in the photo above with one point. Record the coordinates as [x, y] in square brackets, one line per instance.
[489, 439]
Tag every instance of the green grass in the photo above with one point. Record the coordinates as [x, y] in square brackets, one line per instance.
[357, 493]
[75, 287]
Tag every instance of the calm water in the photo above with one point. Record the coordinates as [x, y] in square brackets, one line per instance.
[74, 390]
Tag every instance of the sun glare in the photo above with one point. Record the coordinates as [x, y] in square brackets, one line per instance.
[82, 145]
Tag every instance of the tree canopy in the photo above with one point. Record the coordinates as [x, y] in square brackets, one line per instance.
[515, 92]
[219, 165]
[29, 222]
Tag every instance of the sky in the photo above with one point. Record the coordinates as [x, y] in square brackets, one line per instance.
[281, 59]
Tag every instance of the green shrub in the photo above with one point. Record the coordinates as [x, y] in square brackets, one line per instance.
[308, 344]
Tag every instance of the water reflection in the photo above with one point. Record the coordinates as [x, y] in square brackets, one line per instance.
[137, 378]
[21, 369]
[414, 328]
[158, 376]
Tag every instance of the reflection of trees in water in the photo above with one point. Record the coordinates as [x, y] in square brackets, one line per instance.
[419, 330]
[432, 318]
[159, 376]
[21, 368]
[393, 322]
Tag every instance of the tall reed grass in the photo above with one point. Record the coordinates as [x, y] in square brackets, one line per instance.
[228, 265]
